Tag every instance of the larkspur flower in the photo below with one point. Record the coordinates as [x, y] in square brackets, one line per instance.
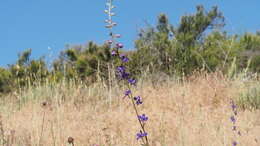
[125, 75]
[233, 106]
[127, 92]
[143, 118]
[232, 118]
[234, 143]
[132, 81]
[113, 53]
[124, 58]
[119, 45]
[121, 69]
[138, 100]
[141, 135]
[122, 75]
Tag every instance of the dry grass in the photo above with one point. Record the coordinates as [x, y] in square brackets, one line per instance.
[191, 113]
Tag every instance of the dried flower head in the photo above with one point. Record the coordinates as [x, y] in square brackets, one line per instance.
[44, 104]
[70, 140]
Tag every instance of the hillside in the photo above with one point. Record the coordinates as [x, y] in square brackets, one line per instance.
[192, 111]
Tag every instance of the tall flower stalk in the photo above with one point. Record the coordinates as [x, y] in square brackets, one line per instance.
[233, 119]
[123, 74]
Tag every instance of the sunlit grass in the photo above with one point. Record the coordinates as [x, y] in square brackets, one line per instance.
[194, 111]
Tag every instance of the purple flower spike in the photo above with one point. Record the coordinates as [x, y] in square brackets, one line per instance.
[119, 45]
[143, 118]
[132, 81]
[140, 135]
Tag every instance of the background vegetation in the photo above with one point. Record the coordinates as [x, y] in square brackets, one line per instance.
[197, 43]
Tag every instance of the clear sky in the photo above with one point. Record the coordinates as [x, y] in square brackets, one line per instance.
[43, 24]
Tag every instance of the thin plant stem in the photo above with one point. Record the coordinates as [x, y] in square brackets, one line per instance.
[137, 114]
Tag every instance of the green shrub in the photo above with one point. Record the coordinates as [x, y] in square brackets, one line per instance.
[5, 81]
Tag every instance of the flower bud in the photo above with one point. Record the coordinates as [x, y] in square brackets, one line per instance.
[109, 42]
[117, 35]
[109, 26]
[114, 24]
[119, 45]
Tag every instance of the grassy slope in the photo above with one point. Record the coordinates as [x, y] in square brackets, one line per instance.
[191, 113]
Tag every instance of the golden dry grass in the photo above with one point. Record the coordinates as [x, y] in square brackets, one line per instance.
[195, 112]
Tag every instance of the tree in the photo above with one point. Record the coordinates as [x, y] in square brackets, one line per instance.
[189, 35]
[175, 49]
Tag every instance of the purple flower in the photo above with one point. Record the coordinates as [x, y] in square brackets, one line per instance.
[132, 81]
[232, 118]
[138, 100]
[233, 106]
[123, 75]
[127, 92]
[113, 53]
[119, 45]
[124, 58]
[140, 135]
[121, 69]
[234, 143]
[143, 118]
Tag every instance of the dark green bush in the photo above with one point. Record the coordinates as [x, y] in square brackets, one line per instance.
[5, 81]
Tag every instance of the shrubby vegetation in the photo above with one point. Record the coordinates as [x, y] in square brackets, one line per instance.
[198, 42]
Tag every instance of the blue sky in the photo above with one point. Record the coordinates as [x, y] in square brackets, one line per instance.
[43, 24]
